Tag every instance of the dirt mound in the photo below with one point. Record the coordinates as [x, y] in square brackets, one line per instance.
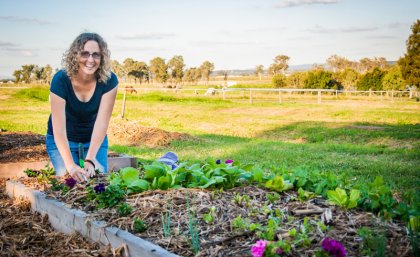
[132, 134]
[22, 146]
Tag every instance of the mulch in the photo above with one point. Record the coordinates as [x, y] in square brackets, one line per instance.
[22, 147]
[24, 233]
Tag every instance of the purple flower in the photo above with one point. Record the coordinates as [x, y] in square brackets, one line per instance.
[70, 182]
[257, 250]
[333, 247]
[229, 161]
[279, 251]
[218, 161]
[99, 188]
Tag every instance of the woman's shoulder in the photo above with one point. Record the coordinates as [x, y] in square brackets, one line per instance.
[61, 75]
[113, 80]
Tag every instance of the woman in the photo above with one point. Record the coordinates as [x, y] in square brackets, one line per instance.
[82, 97]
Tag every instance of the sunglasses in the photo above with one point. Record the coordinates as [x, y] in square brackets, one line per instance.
[86, 55]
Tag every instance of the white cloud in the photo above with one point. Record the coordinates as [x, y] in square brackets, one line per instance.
[25, 20]
[320, 29]
[146, 36]
[293, 3]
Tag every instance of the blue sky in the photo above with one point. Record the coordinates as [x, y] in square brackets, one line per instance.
[233, 34]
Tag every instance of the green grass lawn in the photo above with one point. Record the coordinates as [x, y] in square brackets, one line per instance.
[357, 139]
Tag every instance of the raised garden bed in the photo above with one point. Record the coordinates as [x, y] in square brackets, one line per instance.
[224, 222]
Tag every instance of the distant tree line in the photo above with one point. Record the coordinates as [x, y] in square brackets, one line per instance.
[365, 74]
[32, 73]
[159, 71]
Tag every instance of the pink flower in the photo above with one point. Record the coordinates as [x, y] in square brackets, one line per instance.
[229, 161]
[257, 250]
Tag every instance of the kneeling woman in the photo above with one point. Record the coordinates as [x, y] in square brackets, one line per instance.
[82, 97]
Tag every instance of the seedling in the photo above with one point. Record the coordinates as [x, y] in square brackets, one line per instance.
[211, 216]
[138, 225]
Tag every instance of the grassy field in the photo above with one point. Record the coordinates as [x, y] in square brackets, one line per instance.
[357, 139]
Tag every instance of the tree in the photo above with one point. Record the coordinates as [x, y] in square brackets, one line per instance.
[206, 68]
[348, 78]
[192, 75]
[176, 68]
[297, 79]
[159, 69]
[410, 63]
[259, 69]
[280, 65]
[119, 70]
[371, 80]
[321, 79]
[139, 71]
[46, 74]
[393, 80]
[337, 63]
[279, 81]
[18, 76]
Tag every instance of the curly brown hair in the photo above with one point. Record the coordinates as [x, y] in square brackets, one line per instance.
[70, 59]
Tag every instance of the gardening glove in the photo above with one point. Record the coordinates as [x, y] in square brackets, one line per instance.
[78, 173]
[170, 159]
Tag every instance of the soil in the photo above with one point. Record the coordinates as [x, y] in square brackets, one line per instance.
[29, 147]
[133, 134]
[22, 147]
[24, 233]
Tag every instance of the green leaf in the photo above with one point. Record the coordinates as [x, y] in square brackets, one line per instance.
[129, 174]
[278, 184]
[258, 175]
[338, 197]
[138, 186]
[153, 171]
[164, 183]
[354, 197]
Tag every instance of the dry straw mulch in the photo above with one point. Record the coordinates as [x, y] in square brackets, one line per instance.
[24, 233]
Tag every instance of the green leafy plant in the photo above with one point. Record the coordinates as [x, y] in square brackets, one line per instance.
[239, 223]
[374, 241]
[278, 184]
[124, 209]
[138, 225]
[128, 180]
[112, 195]
[304, 195]
[210, 216]
[340, 197]
[272, 197]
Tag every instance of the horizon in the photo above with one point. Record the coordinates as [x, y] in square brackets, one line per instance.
[233, 35]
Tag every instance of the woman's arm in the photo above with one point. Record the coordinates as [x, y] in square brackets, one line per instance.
[100, 127]
[58, 116]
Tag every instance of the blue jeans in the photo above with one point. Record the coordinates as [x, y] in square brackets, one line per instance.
[58, 163]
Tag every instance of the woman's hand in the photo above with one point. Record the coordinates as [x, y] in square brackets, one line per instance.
[78, 173]
[90, 166]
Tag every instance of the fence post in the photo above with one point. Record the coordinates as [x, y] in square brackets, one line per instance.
[224, 96]
[123, 104]
[250, 95]
[280, 97]
[336, 94]
[392, 95]
[319, 96]
[411, 94]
